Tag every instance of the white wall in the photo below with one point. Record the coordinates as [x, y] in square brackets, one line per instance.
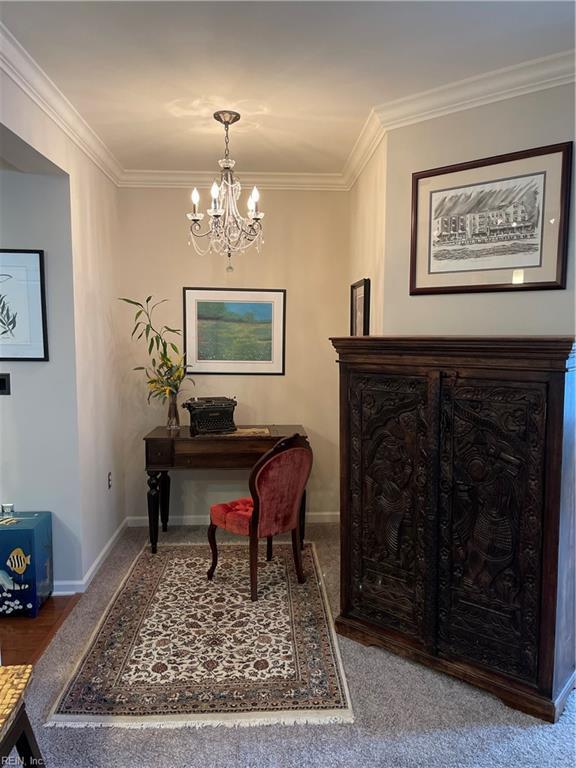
[305, 252]
[39, 463]
[93, 222]
[537, 119]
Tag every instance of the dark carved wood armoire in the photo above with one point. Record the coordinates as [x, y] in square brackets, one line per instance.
[457, 508]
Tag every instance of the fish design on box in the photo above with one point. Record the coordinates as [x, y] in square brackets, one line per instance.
[18, 561]
[8, 584]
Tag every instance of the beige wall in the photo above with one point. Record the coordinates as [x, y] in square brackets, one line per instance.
[39, 462]
[93, 225]
[305, 252]
[533, 120]
[133, 242]
[368, 229]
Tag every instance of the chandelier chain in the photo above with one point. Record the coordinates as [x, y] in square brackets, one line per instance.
[226, 141]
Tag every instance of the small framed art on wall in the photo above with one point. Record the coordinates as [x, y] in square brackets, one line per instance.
[360, 308]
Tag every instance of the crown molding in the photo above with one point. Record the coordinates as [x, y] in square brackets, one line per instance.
[506, 83]
[203, 180]
[498, 85]
[27, 74]
[364, 147]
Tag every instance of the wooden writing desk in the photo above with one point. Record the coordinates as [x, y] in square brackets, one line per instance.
[168, 450]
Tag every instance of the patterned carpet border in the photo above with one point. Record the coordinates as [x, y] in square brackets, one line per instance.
[308, 670]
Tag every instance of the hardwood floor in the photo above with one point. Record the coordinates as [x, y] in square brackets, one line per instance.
[23, 640]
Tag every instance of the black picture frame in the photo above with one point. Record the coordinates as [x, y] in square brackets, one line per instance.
[275, 367]
[360, 307]
[40, 308]
[555, 190]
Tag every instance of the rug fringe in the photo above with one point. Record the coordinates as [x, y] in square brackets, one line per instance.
[235, 721]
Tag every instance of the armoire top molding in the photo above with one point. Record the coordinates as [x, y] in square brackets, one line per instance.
[509, 82]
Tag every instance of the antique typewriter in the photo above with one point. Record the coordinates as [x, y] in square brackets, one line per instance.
[211, 415]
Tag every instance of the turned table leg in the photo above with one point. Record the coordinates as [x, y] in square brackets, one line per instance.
[164, 499]
[153, 507]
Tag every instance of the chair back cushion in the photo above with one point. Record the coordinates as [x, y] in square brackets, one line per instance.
[277, 484]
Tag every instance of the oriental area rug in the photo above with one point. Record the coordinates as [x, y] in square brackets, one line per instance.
[175, 650]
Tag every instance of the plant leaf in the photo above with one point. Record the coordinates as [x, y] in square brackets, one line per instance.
[131, 301]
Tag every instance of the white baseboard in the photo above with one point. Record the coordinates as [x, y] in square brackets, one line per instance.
[62, 587]
[72, 587]
[142, 520]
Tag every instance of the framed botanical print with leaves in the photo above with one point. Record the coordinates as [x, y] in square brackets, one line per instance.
[23, 333]
[496, 224]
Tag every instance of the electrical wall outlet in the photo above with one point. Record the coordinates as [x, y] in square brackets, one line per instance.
[4, 383]
[109, 480]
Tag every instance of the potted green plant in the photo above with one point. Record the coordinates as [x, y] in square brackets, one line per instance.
[166, 371]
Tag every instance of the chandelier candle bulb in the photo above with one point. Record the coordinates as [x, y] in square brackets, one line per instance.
[255, 196]
[215, 192]
[195, 200]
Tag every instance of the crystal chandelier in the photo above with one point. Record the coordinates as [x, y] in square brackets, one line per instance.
[227, 231]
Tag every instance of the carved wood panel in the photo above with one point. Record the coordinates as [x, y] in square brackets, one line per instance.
[491, 488]
[390, 464]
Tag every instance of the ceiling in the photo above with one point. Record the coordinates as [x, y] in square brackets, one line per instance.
[146, 76]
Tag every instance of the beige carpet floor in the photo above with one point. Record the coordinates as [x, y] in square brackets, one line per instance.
[407, 716]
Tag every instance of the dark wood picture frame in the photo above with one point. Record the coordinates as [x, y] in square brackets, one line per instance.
[44, 357]
[359, 285]
[565, 150]
[282, 356]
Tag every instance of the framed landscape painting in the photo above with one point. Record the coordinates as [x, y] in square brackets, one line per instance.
[234, 331]
[497, 224]
[23, 334]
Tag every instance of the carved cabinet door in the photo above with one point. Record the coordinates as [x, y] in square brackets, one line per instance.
[390, 522]
[490, 509]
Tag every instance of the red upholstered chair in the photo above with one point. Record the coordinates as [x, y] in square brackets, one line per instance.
[277, 484]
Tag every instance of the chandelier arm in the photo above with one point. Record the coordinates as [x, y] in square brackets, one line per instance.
[195, 230]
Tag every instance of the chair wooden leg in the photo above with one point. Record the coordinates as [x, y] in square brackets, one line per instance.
[269, 548]
[214, 548]
[297, 555]
[254, 569]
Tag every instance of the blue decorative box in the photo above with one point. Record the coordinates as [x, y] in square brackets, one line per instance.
[26, 571]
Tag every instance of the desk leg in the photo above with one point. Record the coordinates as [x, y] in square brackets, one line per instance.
[153, 507]
[164, 499]
[302, 519]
